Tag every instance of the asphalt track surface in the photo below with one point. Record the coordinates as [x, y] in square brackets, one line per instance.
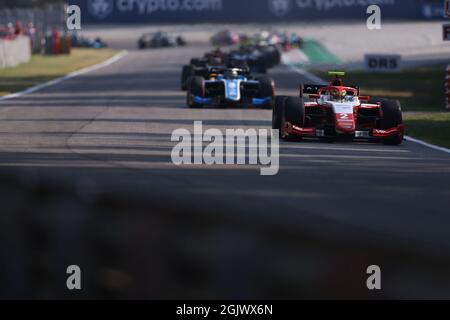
[109, 131]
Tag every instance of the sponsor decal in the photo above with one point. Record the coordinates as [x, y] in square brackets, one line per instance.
[326, 5]
[280, 8]
[433, 11]
[100, 8]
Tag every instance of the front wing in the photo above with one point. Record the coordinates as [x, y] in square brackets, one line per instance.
[358, 134]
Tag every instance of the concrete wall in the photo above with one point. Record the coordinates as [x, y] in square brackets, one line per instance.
[14, 52]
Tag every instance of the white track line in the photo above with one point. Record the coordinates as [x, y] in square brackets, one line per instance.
[426, 144]
[319, 80]
[100, 65]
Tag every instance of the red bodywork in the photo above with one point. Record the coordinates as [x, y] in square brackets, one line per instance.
[360, 120]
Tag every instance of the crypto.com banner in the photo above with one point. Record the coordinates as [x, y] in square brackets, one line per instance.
[191, 11]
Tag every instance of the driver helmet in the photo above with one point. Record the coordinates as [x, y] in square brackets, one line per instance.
[231, 73]
[338, 95]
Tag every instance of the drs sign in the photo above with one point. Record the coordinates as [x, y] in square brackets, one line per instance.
[382, 63]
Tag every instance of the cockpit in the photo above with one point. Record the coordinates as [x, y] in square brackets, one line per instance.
[339, 94]
[233, 73]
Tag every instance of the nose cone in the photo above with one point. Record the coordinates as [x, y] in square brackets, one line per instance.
[345, 122]
[233, 90]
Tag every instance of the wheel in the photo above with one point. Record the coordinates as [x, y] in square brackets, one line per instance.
[195, 61]
[266, 88]
[141, 45]
[294, 113]
[392, 117]
[188, 71]
[277, 56]
[196, 87]
[276, 112]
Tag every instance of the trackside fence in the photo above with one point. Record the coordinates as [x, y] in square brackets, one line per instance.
[37, 23]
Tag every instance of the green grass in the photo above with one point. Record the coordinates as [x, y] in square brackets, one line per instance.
[421, 94]
[318, 54]
[420, 89]
[432, 127]
[44, 68]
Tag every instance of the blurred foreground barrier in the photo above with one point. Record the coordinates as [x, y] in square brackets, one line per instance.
[447, 88]
[14, 51]
[140, 248]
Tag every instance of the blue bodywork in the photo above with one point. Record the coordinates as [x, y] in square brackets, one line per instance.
[232, 91]
[261, 101]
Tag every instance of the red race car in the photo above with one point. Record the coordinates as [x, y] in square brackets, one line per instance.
[336, 110]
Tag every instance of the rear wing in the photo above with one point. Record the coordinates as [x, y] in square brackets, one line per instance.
[314, 88]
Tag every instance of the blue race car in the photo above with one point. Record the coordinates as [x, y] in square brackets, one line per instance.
[230, 87]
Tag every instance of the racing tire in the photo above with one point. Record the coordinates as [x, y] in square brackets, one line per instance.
[392, 117]
[187, 72]
[277, 112]
[196, 87]
[294, 113]
[277, 56]
[266, 88]
[141, 45]
[196, 62]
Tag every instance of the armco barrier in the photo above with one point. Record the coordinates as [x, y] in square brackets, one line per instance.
[192, 11]
[14, 52]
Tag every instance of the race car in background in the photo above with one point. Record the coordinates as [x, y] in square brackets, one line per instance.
[83, 42]
[159, 40]
[226, 38]
[277, 38]
[230, 88]
[201, 66]
[337, 111]
[258, 59]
